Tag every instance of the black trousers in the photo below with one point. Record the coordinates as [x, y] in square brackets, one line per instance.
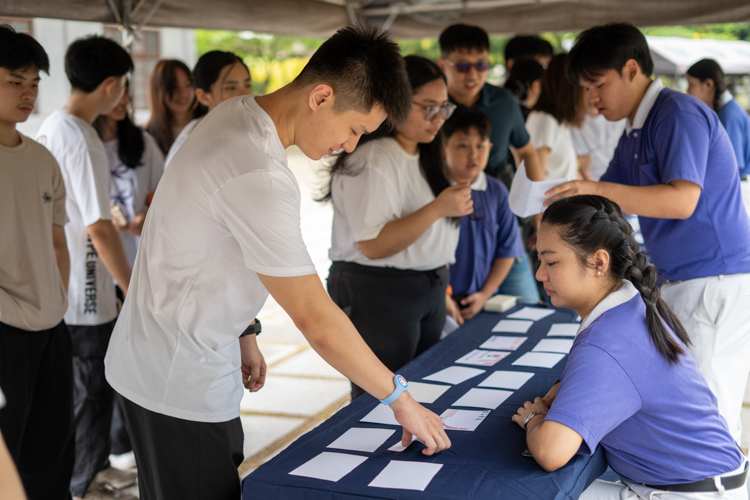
[36, 375]
[93, 401]
[182, 459]
[399, 313]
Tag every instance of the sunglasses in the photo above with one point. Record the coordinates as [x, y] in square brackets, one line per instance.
[464, 67]
[446, 110]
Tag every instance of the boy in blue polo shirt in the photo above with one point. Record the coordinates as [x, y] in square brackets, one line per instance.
[675, 168]
[489, 241]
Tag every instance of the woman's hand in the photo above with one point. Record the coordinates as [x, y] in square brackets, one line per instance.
[474, 304]
[452, 310]
[528, 407]
[136, 225]
[455, 201]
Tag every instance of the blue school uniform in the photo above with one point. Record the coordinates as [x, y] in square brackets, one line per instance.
[736, 121]
[490, 233]
[657, 422]
[679, 137]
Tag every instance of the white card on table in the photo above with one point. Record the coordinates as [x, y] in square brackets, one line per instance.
[381, 414]
[483, 398]
[398, 447]
[454, 374]
[554, 345]
[503, 343]
[426, 393]
[402, 475]
[482, 358]
[532, 313]
[564, 330]
[329, 466]
[362, 439]
[512, 326]
[462, 420]
[539, 359]
[506, 380]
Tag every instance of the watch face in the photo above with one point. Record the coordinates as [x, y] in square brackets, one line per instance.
[401, 380]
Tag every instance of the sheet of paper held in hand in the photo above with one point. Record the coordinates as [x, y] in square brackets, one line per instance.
[526, 196]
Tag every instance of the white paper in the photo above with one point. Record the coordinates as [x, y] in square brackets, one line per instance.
[526, 197]
[554, 345]
[503, 343]
[329, 466]
[402, 475]
[506, 380]
[398, 447]
[532, 313]
[483, 398]
[381, 414]
[462, 420]
[454, 374]
[482, 358]
[513, 326]
[426, 393]
[539, 359]
[564, 330]
[362, 439]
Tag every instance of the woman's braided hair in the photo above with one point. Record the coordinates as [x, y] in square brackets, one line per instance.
[588, 223]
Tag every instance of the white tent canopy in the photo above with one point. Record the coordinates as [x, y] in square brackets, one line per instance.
[405, 18]
[673, 55]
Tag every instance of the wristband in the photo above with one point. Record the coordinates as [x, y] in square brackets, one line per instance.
[252, 329]
[401, 386]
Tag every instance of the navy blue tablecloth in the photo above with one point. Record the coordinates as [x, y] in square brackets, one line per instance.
[486, 463]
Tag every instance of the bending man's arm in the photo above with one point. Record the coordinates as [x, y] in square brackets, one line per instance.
[108, 245]
[334, 337]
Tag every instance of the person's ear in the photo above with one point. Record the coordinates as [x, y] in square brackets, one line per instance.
[109, 85]
[321, 96]
[203, 97]
[710, 85]
[631, 69]
[441, 63]
[600, 262]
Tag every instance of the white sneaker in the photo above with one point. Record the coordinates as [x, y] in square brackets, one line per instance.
[123, 462]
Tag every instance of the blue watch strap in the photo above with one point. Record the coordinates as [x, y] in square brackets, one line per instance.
[401, 386]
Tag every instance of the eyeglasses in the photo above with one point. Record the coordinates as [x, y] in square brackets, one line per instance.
[464, 67]
[446, 110]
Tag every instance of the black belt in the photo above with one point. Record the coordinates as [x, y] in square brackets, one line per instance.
[706, 485]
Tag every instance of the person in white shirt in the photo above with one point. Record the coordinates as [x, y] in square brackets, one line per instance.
[36, 366]
[171, 101]
[560, 109]
[223, 231]
[96, 68]
[595, 142]
[395, 227]
[218, 76]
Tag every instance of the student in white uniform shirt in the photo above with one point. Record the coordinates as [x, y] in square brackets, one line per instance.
[218, 76]
[96, 68]
[395, 227]
[223, 232]
[560, 109]
[595, 142]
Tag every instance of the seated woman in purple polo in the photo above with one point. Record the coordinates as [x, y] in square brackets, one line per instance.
[629, 384]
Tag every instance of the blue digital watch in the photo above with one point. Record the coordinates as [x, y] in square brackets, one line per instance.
[401, 386]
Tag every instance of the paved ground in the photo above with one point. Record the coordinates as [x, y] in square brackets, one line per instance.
[301, 389]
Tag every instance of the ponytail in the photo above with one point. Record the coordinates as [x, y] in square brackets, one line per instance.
[588, 223]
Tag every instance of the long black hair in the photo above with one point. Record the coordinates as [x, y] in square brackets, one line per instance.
[421, 71]
[588, 223]
[130, 144]
[207, 71]
[708, 68]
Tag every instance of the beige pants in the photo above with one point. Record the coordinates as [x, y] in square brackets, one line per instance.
[716, 314]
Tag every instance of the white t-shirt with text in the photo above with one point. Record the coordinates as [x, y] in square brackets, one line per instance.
[226, 209]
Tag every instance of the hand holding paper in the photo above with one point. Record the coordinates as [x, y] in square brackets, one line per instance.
[527, 197]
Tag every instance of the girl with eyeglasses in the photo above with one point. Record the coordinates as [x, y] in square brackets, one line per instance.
[395, 226]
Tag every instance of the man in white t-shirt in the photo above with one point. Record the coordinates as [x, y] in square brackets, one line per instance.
[223, 232]
[36, 369]
[96, 68]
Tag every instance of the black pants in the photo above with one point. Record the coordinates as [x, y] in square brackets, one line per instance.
[182, 459]
[36, 375]
[93, 401]
[399, 313]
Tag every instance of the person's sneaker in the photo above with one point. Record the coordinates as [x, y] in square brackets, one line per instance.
[123, 462]
[115, 478]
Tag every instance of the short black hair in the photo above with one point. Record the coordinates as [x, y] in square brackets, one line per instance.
[364, 67]
[92, 59]
[527, 47]
[606, 47]
[464, 119]
[21, 51]
[522, 75]
[463, 36]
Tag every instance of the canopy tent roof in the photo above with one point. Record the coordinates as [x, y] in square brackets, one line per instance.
[673, 55]
[405, 18]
